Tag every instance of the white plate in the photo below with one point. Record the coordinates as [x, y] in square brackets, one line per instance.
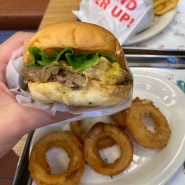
[160, 23]
[148, 167]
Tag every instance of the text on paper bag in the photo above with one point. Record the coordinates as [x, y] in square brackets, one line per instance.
[120, 12]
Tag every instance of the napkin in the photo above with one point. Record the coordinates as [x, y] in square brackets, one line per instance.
[124, 18]
[14, 84]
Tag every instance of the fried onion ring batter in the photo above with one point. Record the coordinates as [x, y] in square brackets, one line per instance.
[119, 118]
[78, 131]
[92, 154]
[40, 170]
[139, 131]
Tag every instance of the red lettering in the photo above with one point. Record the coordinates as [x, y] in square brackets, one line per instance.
[102, 3]
[129, 24]
[114, 13]
[124, 17]
[122, 1]
[131, 5]
[97, 1]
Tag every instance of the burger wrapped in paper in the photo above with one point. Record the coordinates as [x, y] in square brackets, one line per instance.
[76, 63]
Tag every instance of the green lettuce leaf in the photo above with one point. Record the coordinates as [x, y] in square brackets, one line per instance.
[38, 57]
[82, 61]
[76, 61]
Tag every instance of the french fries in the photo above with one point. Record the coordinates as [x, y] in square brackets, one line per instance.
[161, 7]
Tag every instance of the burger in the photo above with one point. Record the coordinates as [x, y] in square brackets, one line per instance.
[76, 63]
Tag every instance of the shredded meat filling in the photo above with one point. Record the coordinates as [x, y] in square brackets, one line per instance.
[105, 72]
[54, 74]
[69, 79]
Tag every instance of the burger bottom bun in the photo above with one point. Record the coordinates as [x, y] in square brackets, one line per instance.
[95, 94]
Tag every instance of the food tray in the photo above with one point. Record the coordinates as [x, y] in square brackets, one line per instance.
[22, 176]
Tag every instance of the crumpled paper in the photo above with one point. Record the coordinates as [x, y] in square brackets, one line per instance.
[14, 84]
[124, 18]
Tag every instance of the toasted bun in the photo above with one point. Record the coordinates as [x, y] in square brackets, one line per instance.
[93, 95]
[81, 37]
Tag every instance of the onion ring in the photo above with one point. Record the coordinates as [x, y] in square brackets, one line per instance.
[119, 118]
[139, 131]
[39, 169]
[78, 131]
[92, 154]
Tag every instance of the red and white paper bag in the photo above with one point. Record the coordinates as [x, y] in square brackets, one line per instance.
[124, 18]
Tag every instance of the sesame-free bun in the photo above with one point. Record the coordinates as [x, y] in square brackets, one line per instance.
[77, 35]
[83, 38]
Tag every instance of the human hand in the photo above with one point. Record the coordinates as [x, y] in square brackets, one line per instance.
[17, 120]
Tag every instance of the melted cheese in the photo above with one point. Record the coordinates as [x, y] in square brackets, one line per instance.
[106, 72]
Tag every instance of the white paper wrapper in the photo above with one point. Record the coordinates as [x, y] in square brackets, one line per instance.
[124, 18]
[14, 84]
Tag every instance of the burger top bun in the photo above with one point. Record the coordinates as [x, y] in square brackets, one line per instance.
[77, 35]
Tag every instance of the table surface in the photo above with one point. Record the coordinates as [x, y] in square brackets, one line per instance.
[59, 10]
